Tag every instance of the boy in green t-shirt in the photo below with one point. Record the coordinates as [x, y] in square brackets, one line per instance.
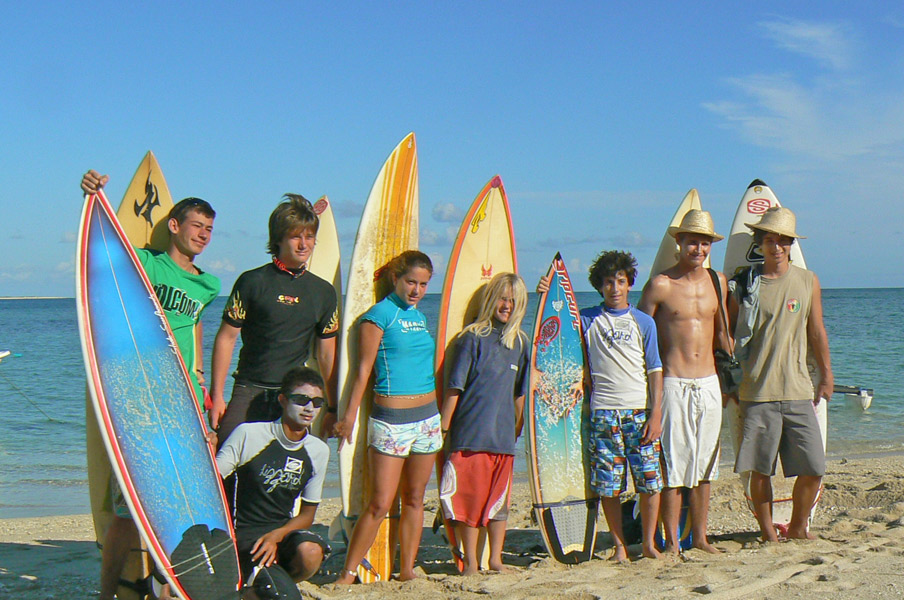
[183, 291]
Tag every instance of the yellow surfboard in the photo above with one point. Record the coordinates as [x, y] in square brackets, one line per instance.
[389, 226]
[142, 213]
[667, 256]
[324, 263]
[484, 246]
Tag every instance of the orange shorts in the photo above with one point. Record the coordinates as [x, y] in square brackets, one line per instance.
[476, 487]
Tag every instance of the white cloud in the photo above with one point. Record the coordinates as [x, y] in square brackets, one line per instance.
[446, 212]
[815, 118]
[219, 265]
[69, 237]
[451, 233]
[577, 269]
[828, 43]
[67, 266]
[632, 239]
[20, 273]
[430, 237]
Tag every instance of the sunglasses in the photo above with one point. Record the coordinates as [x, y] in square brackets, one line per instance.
[304, 400]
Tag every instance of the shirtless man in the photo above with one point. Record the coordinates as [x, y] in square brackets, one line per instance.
[684, 303]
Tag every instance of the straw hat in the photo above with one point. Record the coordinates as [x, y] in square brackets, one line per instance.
[696, 221]
[780, 220]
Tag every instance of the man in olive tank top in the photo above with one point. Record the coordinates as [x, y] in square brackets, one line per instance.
[777, 317]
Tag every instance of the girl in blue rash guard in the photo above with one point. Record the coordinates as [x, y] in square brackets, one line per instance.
[404, 428]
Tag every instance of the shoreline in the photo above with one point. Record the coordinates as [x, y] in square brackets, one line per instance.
[331, 489]
[859, 527]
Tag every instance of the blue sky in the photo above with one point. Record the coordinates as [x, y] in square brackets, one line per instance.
[598, 116]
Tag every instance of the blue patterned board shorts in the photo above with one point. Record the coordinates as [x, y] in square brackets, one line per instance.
[423, 436]
[615, 440]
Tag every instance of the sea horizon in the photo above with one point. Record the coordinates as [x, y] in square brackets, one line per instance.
[634, 288]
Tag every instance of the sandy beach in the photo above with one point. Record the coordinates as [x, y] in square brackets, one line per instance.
[857, 554]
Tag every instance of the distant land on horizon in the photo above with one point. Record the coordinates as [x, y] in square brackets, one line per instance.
[636, 288]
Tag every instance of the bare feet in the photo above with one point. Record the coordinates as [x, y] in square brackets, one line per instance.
[499, 567]
[469, 570]
[619, 555]
[346, 578]
[407, 575]
[799, 534]
[651, 551]
[670, 549]
[771, 535]
[706, 546]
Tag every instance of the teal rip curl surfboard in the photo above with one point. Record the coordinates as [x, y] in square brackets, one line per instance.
[564, 507]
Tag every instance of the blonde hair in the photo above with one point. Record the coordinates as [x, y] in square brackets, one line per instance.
[498, 286]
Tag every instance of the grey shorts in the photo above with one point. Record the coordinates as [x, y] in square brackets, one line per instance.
[787, 428]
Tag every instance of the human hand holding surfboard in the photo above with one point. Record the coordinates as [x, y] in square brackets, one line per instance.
[543, 284]
[92, 181]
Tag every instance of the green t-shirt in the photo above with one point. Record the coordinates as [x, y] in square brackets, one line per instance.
[183, 296]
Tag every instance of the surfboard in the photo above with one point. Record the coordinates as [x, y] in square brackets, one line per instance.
[389, 226]
[563, 505]
[741, 251]
[149, 420]
[145, 204]
[484, 246]
[667, 255]
[324, 263]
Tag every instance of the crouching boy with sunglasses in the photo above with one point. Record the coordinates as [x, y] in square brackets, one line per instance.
[276, 464]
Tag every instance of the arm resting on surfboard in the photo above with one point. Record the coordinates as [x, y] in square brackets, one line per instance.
[326, 360]
[369, 337]
[818, 340]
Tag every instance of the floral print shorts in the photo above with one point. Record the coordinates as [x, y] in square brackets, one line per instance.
[402, 439]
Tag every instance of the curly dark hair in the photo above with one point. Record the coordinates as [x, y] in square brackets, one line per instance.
[610, 262]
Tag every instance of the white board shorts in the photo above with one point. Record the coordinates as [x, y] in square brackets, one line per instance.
[691, 423]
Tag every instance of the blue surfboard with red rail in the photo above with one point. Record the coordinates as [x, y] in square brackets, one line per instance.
[151, 424]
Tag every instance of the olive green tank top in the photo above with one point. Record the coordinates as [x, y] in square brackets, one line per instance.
[775, 368]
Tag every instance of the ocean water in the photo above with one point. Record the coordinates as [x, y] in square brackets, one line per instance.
[42, 392]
